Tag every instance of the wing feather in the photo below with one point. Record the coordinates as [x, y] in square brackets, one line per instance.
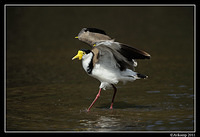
[133, 53]
[109, 55]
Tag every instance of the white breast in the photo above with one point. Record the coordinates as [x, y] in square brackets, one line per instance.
[86, 59]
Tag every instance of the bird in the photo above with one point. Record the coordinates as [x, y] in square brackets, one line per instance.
[108, 61]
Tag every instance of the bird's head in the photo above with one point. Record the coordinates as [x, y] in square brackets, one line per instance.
[81, 53]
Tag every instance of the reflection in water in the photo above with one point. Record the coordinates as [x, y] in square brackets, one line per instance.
[103, 123]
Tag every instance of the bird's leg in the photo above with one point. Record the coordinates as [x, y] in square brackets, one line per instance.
[94, 100]
[115, 90]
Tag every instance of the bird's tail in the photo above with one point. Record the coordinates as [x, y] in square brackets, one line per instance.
[142, 76]
[130, 75]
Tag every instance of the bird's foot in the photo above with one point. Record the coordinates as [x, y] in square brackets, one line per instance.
[111, 106]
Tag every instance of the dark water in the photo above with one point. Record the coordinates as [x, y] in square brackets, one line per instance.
[46, 91]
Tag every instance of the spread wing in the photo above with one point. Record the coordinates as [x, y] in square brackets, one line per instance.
[133, 53]
[118, 55]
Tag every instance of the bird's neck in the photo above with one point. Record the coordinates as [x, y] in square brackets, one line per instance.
[87, 62]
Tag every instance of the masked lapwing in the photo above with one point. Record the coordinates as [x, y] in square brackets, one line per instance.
[108, 61]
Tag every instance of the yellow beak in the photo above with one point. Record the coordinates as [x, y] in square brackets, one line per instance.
[75, 57]
[76, 37]
[79, 55]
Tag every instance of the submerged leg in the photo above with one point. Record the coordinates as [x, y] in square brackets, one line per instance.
[94, 100]
[115, 90]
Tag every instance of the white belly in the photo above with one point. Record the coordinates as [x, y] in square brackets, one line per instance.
[105, 74]
[109, 75]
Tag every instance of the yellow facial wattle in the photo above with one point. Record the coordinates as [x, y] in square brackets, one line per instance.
[79, 55]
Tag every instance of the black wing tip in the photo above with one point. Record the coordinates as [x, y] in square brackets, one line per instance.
[148, 57]
[142, 76]
[133, 53]
[95, 30]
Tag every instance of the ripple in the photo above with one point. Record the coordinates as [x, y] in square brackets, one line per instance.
[181, 95]
[159, 122]
[182, 86]
[150, 127]
[172, 122]
[156, 91]
[174, 95]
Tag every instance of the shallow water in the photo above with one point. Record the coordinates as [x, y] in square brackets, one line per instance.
[46, 91]
[58, 107]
